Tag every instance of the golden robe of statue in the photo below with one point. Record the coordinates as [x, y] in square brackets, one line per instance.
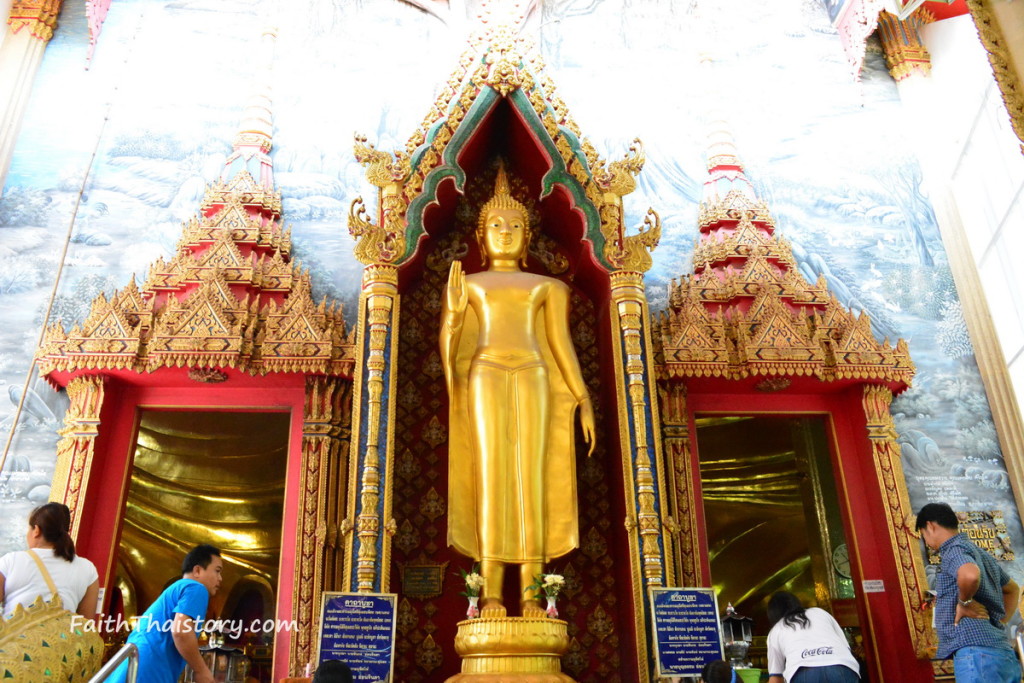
[514, 384]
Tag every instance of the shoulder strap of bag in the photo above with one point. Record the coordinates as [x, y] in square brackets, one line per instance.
[42, 570]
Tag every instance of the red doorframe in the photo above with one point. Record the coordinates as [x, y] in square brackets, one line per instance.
[105, 493]
[887, 637]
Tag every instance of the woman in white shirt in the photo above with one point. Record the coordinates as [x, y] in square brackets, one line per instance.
[806, 646]
[75, 577]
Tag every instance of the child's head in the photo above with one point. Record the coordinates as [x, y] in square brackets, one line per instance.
[717, 671]
[332, 671]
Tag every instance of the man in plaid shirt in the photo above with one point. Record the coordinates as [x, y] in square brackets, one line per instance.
[975, 598]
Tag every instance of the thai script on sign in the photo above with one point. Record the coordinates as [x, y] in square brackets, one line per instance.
[687, 632]
[366, 604]
[359, 629]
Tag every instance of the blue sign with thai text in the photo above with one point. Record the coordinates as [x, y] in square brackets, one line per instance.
[359, 629]
[687, 633]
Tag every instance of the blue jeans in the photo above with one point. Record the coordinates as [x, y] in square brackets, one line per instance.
[975, 664]
[836, 673]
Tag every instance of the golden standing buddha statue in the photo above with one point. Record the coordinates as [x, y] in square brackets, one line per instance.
[514, 385]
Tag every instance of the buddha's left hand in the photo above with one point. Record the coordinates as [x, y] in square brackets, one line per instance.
[587, 421]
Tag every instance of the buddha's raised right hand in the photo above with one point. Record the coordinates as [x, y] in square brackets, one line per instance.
[456, 294]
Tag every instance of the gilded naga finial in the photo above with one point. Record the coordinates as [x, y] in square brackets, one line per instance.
[617, 179]
[382, 241]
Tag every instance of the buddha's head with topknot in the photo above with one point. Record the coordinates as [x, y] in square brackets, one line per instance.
[503, 229]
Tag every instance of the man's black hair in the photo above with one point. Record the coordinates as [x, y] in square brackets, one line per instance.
[201, 555]
[940, 513]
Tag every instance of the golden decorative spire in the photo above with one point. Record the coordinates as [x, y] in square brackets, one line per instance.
[259, 118]
[721, 146]
[727, 187]
[747, 312]
[254, 140]
[230, 296]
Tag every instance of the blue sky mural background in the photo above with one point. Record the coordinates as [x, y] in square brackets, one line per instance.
[151, 122]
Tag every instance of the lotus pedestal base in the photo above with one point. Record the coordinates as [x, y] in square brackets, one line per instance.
[511, 650]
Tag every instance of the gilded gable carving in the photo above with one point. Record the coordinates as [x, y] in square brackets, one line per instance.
[747, 311]
[498, 60]
[230, 297]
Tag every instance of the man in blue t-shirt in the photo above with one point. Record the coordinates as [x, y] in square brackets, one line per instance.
[167, 633]
[974, 599]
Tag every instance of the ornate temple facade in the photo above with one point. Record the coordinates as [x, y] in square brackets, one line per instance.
[762, 417]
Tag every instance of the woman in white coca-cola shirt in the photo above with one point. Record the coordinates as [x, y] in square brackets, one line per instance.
[806, 646]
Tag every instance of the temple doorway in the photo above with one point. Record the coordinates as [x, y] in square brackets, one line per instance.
[208, 477]
[773, 516]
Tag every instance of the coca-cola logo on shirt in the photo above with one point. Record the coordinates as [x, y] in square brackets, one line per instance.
[814, 652]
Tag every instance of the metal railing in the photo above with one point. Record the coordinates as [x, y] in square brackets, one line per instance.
[130, 653]
[1020, 646]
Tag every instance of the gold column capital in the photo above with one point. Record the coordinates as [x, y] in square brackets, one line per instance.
[381, 278]
[627, 285]
[672, 400]
[905, 55]
[77, 445]
[39, 16]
